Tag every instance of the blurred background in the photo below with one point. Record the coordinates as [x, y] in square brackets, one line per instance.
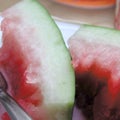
[68, 13]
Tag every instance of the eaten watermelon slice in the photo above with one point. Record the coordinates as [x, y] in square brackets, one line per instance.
[35, 63]
[95, 55]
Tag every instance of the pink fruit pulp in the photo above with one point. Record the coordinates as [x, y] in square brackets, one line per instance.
[97, 64]
[20, 68]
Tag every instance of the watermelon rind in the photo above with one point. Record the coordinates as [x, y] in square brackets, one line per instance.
[58, 81]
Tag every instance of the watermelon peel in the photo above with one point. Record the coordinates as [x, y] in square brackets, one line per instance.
[33, 59]
[95, 58]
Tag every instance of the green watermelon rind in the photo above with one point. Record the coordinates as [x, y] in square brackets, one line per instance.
[48, 30]
[98, 34]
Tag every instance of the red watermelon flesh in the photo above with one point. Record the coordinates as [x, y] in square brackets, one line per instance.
[95, 55]
[30, 60]
[16, 66]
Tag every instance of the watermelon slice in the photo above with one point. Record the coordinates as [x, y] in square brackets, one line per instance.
[36, 63]
[95, 55]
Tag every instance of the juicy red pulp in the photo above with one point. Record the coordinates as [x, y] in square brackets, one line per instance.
[85, 94]
[14, 66]
[14, 70]
[90, 98]
[97, 67]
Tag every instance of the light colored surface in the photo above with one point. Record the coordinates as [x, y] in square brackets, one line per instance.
[67, 29]
[6, 3]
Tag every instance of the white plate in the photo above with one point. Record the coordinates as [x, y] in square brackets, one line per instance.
[67, 29]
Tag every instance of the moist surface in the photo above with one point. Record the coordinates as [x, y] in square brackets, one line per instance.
[97, 68]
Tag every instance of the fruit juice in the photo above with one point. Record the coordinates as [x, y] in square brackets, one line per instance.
[88, 3]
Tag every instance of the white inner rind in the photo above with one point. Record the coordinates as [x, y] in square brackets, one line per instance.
[1, 33]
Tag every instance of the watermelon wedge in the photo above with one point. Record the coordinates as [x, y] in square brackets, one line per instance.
[36, 63]
[95, 55]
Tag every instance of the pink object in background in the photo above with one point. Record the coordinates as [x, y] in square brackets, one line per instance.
[117, 15]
